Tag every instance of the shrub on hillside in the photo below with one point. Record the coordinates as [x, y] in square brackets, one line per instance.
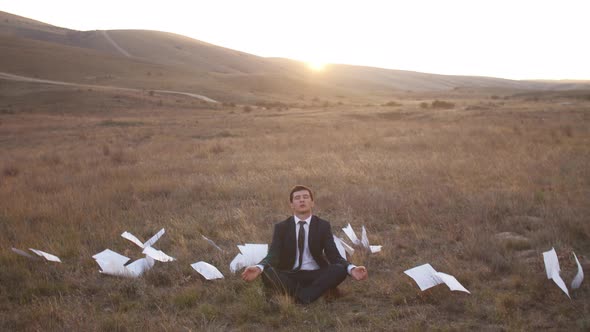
[441, 104]
[392, 104]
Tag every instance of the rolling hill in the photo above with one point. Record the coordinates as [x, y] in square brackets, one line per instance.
[160, 60]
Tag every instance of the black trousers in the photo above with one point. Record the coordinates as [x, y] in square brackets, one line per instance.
[304, 286]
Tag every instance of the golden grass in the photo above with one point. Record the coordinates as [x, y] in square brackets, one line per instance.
[430, 185]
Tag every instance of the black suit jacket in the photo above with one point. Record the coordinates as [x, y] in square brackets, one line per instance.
[283, 248]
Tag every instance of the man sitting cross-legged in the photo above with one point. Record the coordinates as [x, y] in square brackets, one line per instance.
[303, 260]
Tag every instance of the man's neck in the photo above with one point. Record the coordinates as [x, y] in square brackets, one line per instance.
[303, 216]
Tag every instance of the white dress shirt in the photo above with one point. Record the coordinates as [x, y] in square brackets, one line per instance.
[308, 263]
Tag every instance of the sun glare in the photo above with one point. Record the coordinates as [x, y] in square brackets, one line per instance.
[316, 66]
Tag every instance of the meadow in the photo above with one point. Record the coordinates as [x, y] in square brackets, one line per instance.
[478, 189]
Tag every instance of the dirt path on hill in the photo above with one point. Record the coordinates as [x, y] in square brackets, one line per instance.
[12, 77]
[114, 43]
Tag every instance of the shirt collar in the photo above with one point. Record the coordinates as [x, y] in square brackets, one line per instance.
[307, 221]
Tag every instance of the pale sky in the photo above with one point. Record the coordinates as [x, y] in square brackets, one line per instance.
[516, 39]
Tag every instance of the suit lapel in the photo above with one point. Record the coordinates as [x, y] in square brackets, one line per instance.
[291, 239]
[313, 234]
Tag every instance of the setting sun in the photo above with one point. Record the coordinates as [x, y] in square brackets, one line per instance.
[316, 66]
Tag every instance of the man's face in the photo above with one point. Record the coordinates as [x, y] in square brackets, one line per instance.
[302, 202]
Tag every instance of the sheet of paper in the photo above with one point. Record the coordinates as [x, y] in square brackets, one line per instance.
[113, 263]
[112, 268]
[154, 238]
[579, 276]
[339, 246]
[132, 238]
[45, 255]
[140, 266]
[237, 263]
[351, 235]
[157, 254]
[22, 253]
[212, 243]
[148, 243]
[364, 238]
[551, 263]
[349, 249]
[207, 270]
[424, 275]
[108, 255]
[253, 253]
[552, 269]
[451, 282]
[375, 249]
[561, 284]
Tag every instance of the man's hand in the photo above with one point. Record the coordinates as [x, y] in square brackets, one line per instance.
[359, 273]
[251, 273]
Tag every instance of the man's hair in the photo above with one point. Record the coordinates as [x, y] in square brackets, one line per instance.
[299, 188]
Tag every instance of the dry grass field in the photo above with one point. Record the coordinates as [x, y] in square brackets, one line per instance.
[432, 185]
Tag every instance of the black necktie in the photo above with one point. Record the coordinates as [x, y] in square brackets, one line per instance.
[300, 243]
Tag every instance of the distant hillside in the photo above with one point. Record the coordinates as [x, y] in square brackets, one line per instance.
[159, 60]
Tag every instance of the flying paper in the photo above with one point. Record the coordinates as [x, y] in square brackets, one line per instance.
[45, 255]
[579, 276]
[339, 246]
[426, 277]
[351, 235]
[365, 242]
[158, 255]
[212, 243]
[552, 269]
[250, 254]
[207, 270]
[148, 243]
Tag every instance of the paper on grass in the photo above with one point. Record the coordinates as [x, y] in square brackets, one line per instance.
[375, 249]
[579, 276]
[148, 243]
[138, 267]
[158, 255]
[110, 256]
[426, 277]
[552, 269]
[22, 253]
[351, 235]
[132, 238]
[113, 263]
[45, 255]
[365, 242]
[154, 238]
[207, 270]
[212, 243]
